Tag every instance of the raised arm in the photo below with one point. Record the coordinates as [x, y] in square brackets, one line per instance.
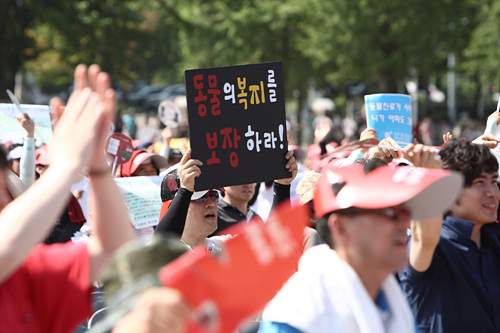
[26, 221]
[424, 234]
[27, 163]
[110, 222]
[174, 219]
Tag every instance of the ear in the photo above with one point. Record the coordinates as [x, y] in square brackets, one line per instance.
[338, 228]
[457, 203]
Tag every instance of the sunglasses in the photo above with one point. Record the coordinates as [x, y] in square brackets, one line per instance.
[393, 213]
[214, 195]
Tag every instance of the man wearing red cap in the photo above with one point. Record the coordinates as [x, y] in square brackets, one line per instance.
[348, 285]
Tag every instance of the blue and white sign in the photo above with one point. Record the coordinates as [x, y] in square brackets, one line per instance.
[11, 130]
[142, 197]
[390, 116]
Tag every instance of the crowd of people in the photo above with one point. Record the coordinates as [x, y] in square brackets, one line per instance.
[399, 239]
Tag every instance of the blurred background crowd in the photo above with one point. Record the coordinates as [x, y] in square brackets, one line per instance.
[442, 53]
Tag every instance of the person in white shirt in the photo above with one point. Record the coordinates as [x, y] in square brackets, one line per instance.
[349, 284]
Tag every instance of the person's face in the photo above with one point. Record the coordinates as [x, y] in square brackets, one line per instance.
[4, 195]
[240, 192]
[202, 214]
[478, 202]
[145, 169]
[378, 238]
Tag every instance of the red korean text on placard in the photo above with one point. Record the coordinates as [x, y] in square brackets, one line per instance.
[228, 138]
[211, 91]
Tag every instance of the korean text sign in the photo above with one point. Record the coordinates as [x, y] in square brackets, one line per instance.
[142, 198]
[237, 124]
[11, 129]
[390, 116]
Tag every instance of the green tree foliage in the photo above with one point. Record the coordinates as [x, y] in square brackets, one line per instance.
[482, 54]
[333, 42]
[109, 33]
[15, 45]
[379, 41]
[225, 32]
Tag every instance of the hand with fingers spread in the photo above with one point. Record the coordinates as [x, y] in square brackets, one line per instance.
[422, 156]
[27, 123]
[381, 152]
[100, 83]
[488, 140]
[291, 166]
[82, 126]
[188, 170]
[446, 138]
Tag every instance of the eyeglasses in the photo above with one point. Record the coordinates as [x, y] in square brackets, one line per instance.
[214, 195]
[395, 213]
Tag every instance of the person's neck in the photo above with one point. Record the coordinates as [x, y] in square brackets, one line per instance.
[192, 239]
[475, 234]
[371, 277]
[242, 206]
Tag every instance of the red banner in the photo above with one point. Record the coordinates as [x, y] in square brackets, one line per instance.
[226, 289]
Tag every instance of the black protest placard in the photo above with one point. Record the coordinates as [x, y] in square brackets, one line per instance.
[237, 124]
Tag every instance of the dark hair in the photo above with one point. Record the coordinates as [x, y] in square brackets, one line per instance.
[373, 163]
[324, 230]
[468, 158]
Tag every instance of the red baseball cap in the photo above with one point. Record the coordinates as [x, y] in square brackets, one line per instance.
[426, 192]
[139, 157]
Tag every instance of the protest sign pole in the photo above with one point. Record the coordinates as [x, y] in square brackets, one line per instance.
[119, 148]
[14, 100]
[113, 170]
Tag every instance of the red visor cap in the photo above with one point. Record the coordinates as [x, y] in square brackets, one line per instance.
[426, 192]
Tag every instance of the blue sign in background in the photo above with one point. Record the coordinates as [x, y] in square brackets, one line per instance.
[390, 116]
